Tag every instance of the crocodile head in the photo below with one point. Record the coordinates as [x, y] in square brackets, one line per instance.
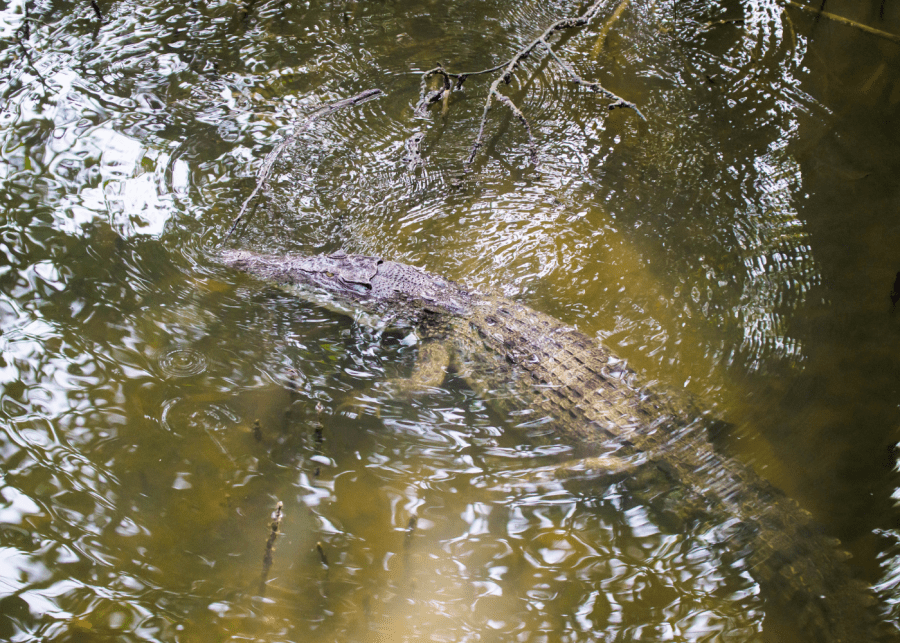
[358, 281]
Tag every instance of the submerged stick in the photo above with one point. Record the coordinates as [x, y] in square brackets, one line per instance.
[277, 515]
[269, 162]
[322, 557]
[411, 527]
[604, 31]
[852, 23]
[244, 13]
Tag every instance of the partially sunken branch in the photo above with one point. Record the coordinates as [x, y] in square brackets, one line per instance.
[266, 168]
[618, 101]
[453, 81]
[274, 530]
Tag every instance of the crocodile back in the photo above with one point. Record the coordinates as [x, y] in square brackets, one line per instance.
[524, 361]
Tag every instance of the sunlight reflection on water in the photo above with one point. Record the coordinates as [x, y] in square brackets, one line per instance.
[155, 406]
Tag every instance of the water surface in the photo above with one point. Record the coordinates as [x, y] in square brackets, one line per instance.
[741, 243]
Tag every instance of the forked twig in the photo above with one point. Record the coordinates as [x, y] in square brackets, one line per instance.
[426, 98]
[269, 162]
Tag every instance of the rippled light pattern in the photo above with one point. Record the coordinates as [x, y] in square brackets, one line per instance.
[154, 406]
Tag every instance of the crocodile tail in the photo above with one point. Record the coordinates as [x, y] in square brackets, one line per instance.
[806, 573]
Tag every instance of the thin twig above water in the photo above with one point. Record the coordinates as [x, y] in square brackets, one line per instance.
[266, 168]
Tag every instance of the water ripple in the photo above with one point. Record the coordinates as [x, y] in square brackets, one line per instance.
[182, 362]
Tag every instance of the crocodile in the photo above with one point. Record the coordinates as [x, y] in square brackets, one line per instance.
[523, 360]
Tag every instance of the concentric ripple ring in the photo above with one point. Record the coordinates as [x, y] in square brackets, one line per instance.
[182, 362]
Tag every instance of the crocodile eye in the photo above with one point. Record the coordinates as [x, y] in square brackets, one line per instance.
[330, 275]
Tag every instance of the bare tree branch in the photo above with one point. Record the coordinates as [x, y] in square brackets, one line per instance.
[426, 98]
[269, 162]
[618, 101]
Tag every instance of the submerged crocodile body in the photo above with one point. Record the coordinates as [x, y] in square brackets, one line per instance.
[525, 360]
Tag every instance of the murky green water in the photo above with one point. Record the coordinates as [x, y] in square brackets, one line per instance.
[741, 243]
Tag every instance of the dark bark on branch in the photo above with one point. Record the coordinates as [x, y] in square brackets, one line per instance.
[426, 98]
[269, 162]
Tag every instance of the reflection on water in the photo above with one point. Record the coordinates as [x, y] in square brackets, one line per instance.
[155, 407]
